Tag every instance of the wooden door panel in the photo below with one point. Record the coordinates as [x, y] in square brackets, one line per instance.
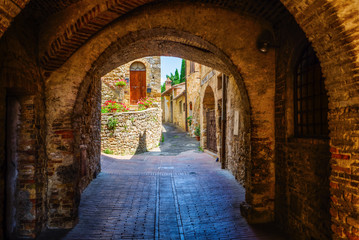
[142, 77]
[211, 131]
[137, 86]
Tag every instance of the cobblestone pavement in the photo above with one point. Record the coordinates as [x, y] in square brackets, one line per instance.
[176, 195]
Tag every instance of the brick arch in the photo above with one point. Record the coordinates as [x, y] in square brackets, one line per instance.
[8, 11]
[168, 42]
[108, 50]
[156, 42]
[334, 59]
[332, 30]
[334, 22]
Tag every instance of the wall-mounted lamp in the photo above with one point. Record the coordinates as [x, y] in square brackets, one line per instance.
[265, 41]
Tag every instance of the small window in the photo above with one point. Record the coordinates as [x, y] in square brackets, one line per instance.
[180, 106]
[310, 98]
[184, 106]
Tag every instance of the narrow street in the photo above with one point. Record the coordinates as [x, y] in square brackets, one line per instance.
[172, 192]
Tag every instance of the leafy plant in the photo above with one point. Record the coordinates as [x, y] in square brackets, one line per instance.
[125, 128]
[121, 82]
[177, 78]
[112, 106]
[189, 120]
[108, 151]
[200, 149]
[132, 119]
[197, 131]
[112, 123]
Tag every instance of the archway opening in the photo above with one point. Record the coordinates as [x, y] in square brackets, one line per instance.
[209, 120]
[263, 141]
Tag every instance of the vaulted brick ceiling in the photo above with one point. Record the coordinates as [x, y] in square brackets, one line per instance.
[103, 13]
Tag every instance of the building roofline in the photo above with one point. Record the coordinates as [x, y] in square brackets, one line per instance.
[172, 87]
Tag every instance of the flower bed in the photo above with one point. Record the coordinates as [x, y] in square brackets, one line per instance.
[145, 103]
[111, 106]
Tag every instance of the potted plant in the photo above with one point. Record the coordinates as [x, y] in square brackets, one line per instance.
[189, 120]
[121, 82]
[197, 132]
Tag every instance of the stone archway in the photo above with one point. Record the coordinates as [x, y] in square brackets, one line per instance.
[329, 25]
[158, 47]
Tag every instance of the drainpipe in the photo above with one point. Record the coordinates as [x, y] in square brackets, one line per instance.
[224, 121]
[186, 114]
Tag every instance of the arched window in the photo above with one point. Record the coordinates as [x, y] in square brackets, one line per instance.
[137, 66]
[310, 98]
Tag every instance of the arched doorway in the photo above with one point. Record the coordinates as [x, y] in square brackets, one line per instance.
[137, 82]
[340, 105]
[209, 120]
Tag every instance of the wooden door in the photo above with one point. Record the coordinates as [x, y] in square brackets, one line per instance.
[211, 131]
[137, 86]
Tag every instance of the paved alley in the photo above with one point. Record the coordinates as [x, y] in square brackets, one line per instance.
[173, 192]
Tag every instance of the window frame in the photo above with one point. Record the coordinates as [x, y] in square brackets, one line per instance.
[310, 98]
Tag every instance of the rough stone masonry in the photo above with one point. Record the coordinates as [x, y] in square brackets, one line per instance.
[53, 53]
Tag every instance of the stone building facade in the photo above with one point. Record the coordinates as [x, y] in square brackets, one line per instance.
[205, 94]
[51, 59]
[151, 83]
[174, 104]
[193, 81]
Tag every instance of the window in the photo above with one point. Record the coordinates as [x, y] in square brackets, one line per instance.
[180, 106]
[310, 98]
[191, 67]
[137, 66]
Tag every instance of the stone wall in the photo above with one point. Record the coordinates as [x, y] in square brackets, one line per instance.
[88, 143]
[302, 164]
[236, 147]
[22, 80]
[193, 91]
[122, 93]
[136, 132]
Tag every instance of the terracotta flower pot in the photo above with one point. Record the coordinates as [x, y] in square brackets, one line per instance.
[198, 138]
